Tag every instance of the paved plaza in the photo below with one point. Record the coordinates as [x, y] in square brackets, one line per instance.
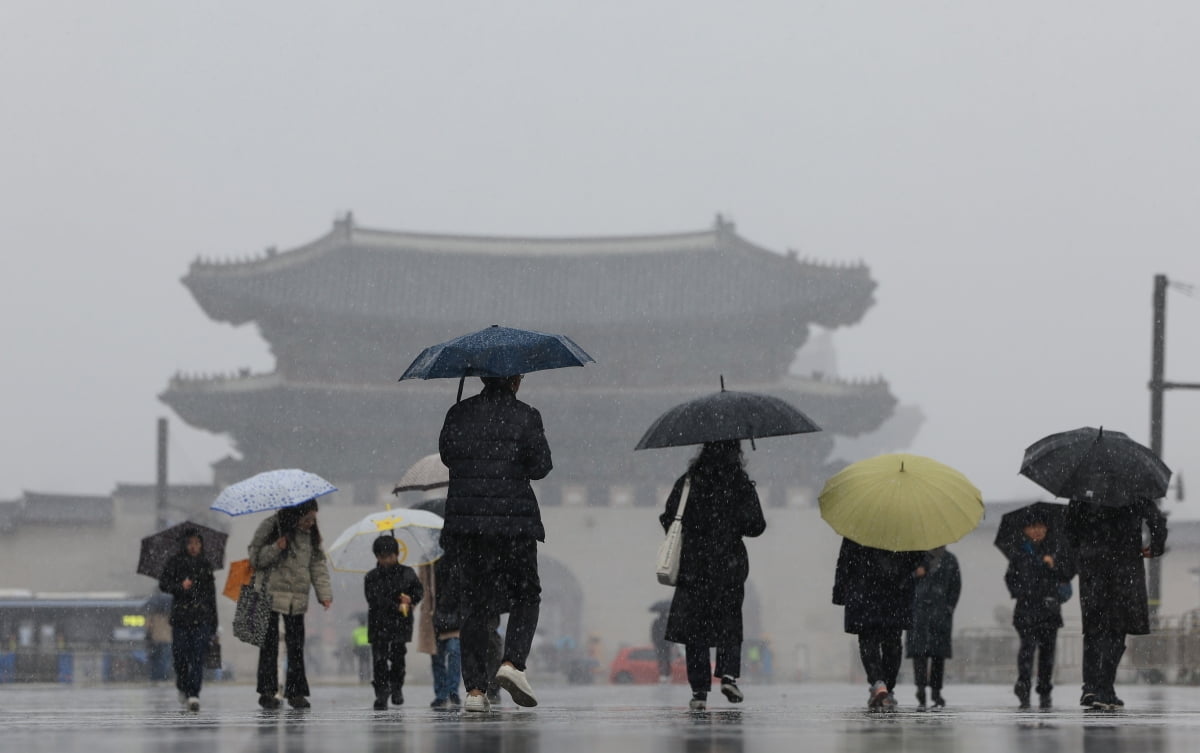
[587, 719]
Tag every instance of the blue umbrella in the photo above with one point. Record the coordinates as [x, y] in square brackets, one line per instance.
[271, 490]
[497, 352]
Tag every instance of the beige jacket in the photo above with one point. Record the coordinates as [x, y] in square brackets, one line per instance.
[289, 573]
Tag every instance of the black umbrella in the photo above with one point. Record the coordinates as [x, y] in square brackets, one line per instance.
[159, 547]
[725, 415]
[1011, 532]
[1093, 465]
[436, 506]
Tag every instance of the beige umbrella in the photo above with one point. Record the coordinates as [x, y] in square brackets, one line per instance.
[427, 473]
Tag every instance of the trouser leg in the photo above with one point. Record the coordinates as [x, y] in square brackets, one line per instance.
[729, 661]
[1047, 642]
[495, 650]
[473, 640]
[518, 569]
[1025, 654]
[937, 672]
[699, 670]
[379, 668]
[296, 678]
[397, 650]
[870, 653]
[920, 671]
[891, 657]
[268, 658]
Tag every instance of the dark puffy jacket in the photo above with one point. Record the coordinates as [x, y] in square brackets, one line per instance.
[383, 587]
[876, 587]
[192, 606]
[1035, 585]
[494, 445]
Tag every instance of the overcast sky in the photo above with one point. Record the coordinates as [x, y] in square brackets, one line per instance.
[1013, 173]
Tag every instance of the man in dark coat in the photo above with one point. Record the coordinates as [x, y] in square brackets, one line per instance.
[1037, 571]
[938, 586]
[1107, 544]
[494, 445]
[393, 590]
[188, 577]
[876, 587]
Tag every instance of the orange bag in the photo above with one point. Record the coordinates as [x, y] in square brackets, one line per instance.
[240, 574]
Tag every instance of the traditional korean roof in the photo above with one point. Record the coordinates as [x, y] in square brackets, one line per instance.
[361, 273]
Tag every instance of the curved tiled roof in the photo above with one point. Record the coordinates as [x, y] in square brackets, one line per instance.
[399, 276]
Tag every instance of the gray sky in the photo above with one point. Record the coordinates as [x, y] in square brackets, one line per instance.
[1014, 174]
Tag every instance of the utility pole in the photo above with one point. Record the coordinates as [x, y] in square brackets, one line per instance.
[160, 487]
[1159, 385]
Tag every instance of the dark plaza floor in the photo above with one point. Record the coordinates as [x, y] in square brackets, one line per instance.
[583, 719]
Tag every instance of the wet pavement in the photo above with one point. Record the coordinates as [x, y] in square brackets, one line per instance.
[587, 719]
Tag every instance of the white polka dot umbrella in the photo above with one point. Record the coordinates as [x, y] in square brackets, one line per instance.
[271, 490]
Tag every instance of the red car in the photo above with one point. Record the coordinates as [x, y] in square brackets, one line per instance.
[637, 665]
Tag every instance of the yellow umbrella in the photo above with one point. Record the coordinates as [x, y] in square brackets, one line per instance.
[901, 503]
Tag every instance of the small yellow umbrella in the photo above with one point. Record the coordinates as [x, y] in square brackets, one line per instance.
[901, 503]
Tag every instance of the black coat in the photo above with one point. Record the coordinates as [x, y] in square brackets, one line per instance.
[934, 599]
[494, 445]
[1035, 585]
[876, 587]
[713, 564]
[1107, 543]
[383, 587]
[192, 606]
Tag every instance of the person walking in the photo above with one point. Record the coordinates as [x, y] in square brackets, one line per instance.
[1107, 545]
[393, 592]
[188, 578]
[876, 587]
[722, 507]
[1038, 578]
[494, 445]
[286, 555]
[929, 640]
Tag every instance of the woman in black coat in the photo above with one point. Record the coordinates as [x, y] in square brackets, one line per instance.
[188, 577]
[722, 507]
[876, 587]
[929, 644]
[1107, 543]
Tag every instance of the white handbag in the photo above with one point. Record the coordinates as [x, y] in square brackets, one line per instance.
[668, 552]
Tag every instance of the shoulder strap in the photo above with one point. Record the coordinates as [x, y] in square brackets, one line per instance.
[683, 497]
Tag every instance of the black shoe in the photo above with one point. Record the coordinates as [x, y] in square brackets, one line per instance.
[454, 700]
[921, 699]
[1022, 692]
[699, 701]
[1090, 701]
[268, 702]
[1111, 701]
[299, 702]
[1044, 701]
[397, 697]
[380, 704]
[730, 690]
[936, 697]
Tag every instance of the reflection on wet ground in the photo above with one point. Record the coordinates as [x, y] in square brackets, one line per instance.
[589, 720]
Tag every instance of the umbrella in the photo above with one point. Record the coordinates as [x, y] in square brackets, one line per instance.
[436, 506]
[1093, 465]
[725, 415]
[496, 352]
[159, 547]
[416, 531]
[901, 503]
[1012, 524]
[427, 473]
[271, 490]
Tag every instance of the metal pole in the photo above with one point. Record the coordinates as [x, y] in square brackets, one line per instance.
[160, 489]
[1158, 360]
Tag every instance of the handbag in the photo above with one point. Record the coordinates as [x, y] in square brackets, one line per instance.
[669, 550]
[252, 615]
[240, 574]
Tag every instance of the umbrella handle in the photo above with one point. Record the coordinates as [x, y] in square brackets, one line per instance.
[461, 380]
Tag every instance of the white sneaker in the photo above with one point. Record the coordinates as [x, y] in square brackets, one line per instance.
[513, 680]
[476, 703]
[193, 704]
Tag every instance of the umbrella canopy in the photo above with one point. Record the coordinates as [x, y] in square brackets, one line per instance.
[271, 490]
[416, 531]
[427, 473]
[160, 547]
[1096, 465]
[725, 415]
[901, 503]
[496, 352]
[1011, 531]
[436, 506]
